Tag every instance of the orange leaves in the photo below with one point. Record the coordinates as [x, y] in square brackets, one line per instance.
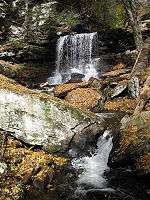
[65, 88]
[85, 98]
[122, 104]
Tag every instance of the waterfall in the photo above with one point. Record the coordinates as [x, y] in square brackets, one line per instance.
[94, 167]
[75, 54]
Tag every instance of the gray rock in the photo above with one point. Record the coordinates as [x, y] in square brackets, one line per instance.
[3, 167]
[43, 121]
[119, 89]
[124, 121]
[133, 87]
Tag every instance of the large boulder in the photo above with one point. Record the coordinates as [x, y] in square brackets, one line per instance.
[40, 119]
[134, 142]
[133, 148]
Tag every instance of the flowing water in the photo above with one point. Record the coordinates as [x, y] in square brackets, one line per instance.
[94, 166]
[75, 54]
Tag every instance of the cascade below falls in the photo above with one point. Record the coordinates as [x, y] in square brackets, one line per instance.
[94, 167]
[75, 54]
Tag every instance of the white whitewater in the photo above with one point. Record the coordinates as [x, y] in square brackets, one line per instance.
[75, 55]
[94, 167]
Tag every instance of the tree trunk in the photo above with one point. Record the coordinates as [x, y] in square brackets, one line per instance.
[28, 19]
[131, 9]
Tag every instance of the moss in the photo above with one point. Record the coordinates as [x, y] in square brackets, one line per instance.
[67, 17]
[52, 149]
[13, 45]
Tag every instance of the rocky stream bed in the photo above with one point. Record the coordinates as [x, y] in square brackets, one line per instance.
[76, 140]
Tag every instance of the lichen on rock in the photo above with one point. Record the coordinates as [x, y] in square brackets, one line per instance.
[38, 118]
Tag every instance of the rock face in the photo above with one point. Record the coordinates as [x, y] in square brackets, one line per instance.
[3, 167]
[39, 119]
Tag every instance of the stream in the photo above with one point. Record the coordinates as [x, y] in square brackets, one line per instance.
[88, 176]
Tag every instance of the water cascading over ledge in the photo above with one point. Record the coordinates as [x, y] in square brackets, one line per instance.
[75, 54]
[95, 165]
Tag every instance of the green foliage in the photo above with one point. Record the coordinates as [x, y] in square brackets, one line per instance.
[17, 43]
[67, 17]
[110, 13]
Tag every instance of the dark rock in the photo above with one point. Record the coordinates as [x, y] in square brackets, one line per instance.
[115, 41]
[79, 28]
[76, 78]
[125, 184]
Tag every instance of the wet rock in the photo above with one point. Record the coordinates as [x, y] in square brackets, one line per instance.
[76, 78]
[133, 87]
[39, 119]
[63, 89]
[85, 98]
[79, 28]
[119, 90]
[126, 184]
[3, 167]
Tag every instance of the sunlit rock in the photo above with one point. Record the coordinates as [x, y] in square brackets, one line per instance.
[40, 119]
[134, 87]
[3, 167]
